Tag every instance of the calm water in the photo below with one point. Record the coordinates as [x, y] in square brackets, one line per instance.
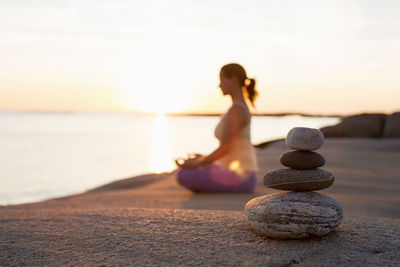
[45, 155]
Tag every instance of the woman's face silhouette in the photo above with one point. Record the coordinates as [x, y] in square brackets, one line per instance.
[227, 85]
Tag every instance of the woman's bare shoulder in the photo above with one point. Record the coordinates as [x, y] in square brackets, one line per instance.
[238, 114]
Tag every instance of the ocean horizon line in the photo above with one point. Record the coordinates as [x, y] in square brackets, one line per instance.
[178, 114]
[195, 114]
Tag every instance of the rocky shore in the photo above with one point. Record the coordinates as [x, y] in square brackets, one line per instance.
[376, 125]
[139, 222]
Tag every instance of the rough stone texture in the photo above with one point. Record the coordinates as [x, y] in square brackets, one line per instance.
[299, 180]
[294, 214]
[180, 237]
[362, 125]
[302, 138]
[392, 126]
[302, 160]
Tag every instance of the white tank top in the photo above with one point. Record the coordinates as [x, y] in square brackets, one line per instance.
[242, 156]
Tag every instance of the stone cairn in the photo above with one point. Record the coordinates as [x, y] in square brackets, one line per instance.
[299, 213]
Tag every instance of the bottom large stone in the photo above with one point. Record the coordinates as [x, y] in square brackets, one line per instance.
[294, 215]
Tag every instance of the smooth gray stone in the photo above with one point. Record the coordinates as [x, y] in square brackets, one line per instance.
[299, 180]
[302, 160]
[293, 215]
[302, 138]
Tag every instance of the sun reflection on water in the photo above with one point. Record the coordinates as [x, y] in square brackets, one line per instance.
[160, 157]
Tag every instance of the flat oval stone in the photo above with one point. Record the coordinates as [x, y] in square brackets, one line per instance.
[302, 138]
[293, 215]
[299, 180]
[302, 160]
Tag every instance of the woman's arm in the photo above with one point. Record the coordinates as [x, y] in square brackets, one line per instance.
[235, 119]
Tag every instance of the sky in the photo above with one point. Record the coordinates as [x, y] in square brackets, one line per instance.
[319, 57]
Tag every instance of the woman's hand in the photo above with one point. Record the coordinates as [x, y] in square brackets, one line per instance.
[192, 162]
[195, 156]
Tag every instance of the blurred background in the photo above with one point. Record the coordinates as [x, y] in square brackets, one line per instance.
[323, 57]
[87, 88]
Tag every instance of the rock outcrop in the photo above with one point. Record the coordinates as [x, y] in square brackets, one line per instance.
[374, 125]
[362, 125]
[392, 126]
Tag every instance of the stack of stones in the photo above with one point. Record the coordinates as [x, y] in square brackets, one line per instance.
[299, 213]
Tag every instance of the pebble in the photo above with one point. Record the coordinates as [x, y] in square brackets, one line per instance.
[302, 138]
[302, 160]
[293, 215]
[299, 180]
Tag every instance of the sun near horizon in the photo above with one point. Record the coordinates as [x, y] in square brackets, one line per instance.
[317, 58]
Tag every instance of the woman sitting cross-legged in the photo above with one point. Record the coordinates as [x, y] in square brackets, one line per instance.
[232, 167]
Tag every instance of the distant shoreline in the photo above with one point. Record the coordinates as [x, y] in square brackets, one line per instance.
[278, 114]
[258, 115]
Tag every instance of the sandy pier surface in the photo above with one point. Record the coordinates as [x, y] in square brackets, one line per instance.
[151, 220]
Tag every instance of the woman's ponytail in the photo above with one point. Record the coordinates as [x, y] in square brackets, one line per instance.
[236, 70]
[251, 91]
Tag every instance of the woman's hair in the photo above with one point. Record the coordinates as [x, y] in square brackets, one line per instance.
[236, 70]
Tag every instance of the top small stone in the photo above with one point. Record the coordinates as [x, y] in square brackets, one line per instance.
[302, 138]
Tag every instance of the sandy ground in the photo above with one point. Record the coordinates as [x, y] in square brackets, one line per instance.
[151, 220]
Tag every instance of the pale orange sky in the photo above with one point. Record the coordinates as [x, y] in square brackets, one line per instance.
[329, 57]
